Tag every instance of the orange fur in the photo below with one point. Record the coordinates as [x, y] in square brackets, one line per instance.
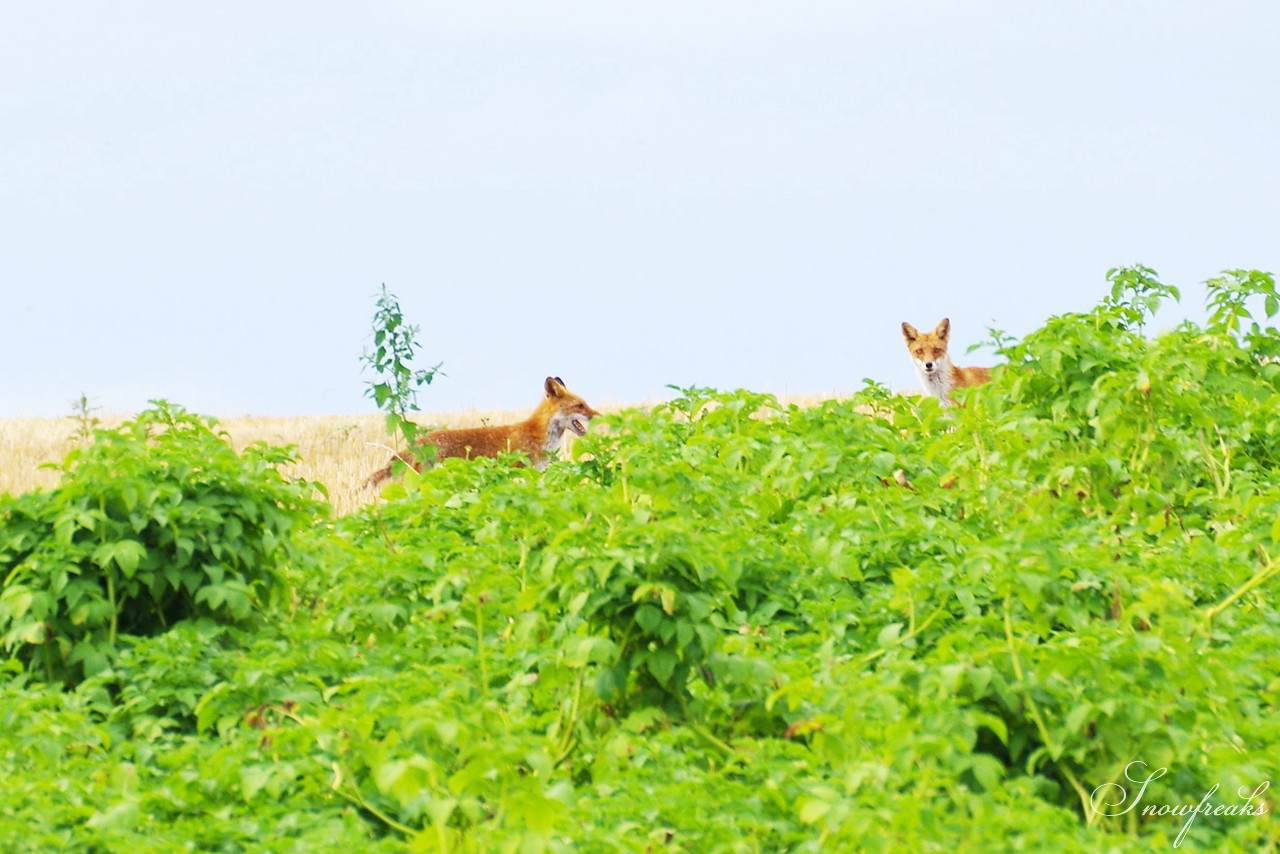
[541, 432]
[933, 365]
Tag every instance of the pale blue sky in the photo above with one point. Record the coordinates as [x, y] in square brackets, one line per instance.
[200, 202]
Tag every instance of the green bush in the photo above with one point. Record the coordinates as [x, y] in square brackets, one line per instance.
[156, 521]
[867, 625]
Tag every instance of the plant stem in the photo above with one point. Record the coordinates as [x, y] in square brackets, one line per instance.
[1261, 577]
[872, 656]
[115, 612]
[359, 801]
[480, 651]
[1055, 750]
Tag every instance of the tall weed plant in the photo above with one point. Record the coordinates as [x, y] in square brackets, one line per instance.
[397, 383]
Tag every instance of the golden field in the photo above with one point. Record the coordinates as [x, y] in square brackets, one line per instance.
[339, 451]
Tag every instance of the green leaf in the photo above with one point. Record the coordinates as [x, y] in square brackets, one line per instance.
[649, 618]
[662, 664]
[125, 554]
[439, 810]
[812, 810]
[888, 636]
[1078, 716]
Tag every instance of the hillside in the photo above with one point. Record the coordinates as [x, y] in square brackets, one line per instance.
[1044, 621]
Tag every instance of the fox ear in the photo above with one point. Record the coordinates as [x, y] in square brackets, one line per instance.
[909, 332]
[944, 328]
[554, 386]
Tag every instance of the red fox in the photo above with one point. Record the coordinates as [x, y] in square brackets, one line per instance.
[542, 431]
[929, 354]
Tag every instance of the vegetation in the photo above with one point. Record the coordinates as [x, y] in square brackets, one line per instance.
[395, 345]
[731, 625]
[338, 451]
[155, 522]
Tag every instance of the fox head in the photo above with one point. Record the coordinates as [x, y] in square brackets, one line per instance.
[567, 409]
[928, 349]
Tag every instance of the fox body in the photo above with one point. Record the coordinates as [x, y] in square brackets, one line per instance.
[541, 432]
[937, 374]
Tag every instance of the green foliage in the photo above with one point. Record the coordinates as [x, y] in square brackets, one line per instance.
[82, 413]
[1136, 293]
[871, 625]
[156, 521]
[1227, 300]
[395, 345]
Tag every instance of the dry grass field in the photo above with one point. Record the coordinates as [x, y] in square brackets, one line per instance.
[339, 451]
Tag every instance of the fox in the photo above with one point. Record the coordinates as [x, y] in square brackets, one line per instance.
[937, 374]
[541, 432]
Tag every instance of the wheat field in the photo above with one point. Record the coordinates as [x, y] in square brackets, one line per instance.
[339, 451]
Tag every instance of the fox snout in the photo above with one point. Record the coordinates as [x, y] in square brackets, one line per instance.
[578, 422]
[932, 364]
[580, 419]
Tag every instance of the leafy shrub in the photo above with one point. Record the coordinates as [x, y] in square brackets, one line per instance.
[158, 520]
[868, 625]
